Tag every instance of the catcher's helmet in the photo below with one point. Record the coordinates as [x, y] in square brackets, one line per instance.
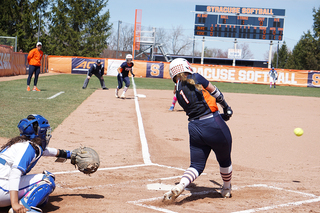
[36, 126]
[179, 65]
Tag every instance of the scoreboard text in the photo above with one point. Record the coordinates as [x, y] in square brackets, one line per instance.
[258, 23]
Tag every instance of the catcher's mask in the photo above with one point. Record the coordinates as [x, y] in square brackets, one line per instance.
[36, 126]
[179, 65]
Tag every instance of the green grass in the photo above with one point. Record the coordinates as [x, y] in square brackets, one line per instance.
[16, 103]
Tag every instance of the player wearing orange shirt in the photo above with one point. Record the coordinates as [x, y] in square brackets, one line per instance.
[34, 60]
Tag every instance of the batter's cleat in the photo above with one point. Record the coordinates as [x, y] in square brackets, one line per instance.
[171, 108]
[36, 89]
[28, 88]
[123, 96]
[105, 88]
[226, 192]
[116, 94]
[173, 193]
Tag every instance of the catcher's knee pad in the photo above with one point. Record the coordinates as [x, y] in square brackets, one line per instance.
[40, 191]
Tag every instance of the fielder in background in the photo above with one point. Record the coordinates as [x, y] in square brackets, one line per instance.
[17, 157]
[34, 60]
[273, 75]
[123, 72]
[98, 70]
[207, 127]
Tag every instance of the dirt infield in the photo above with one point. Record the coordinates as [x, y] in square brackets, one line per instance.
[274, 170]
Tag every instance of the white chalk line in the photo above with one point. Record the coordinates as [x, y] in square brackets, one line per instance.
[59, 93]
[121, 167]
[297, 203]
[115, 184]
[143, 139]
[52, 97]
[146, 158]
[147, 162]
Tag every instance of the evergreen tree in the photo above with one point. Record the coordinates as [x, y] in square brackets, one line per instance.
[316, 31]
[306, 53]
[77, 28]
[283, 56]
[21, 19]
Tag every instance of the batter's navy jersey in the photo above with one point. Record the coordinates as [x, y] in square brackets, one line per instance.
[126, 68]
[196, 103]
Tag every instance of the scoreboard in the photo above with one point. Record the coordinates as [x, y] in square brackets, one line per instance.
[239, 22]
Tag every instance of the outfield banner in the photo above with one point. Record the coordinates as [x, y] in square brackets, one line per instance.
[19, 63]
[219, 73]
[251, 75]
[6, 54]
[155, 70]
[314, 79]
[112, 66]
[59, 64]
[82, 65]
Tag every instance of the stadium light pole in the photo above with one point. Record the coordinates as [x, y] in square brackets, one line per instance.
[39, 27]
[202, 52]
[270, 54]
[277, 54]
[119, 26]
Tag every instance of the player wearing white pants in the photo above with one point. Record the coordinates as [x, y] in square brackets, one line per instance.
[273, 75]
[17, 157]
[26, 183]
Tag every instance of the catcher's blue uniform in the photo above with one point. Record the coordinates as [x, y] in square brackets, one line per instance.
[207, 130]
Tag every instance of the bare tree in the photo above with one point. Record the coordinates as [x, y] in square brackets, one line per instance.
[125, 42]
[178, 42]
[126, 38]
[245, 53]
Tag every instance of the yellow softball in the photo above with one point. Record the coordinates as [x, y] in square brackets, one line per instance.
[298, 131]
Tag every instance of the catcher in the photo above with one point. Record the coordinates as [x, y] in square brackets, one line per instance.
[28, 193]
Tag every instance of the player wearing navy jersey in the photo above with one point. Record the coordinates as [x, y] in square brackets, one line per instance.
[273, 75]
[96, 69]
[123, 76]
[207, 128]
[22, 191]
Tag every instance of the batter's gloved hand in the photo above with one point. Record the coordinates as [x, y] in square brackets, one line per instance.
[86, 159]
[227, 113]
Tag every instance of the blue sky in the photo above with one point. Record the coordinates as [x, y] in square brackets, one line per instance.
[172, 13]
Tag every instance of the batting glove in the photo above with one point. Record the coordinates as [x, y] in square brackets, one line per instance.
[227, 113]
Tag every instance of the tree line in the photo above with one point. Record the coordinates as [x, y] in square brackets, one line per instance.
[82, 28]
[67, 27]
[306, 53]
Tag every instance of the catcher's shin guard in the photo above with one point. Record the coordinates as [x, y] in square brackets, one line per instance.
[39, 192]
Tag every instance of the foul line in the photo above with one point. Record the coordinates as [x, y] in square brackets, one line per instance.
[297, 203]
[122, 167]
[59, 93]
[143, 139]
[52, 97]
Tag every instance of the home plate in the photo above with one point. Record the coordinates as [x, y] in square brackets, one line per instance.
[140, 95]
[159, 186]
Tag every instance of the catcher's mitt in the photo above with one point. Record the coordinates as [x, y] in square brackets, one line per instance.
[86, 159]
